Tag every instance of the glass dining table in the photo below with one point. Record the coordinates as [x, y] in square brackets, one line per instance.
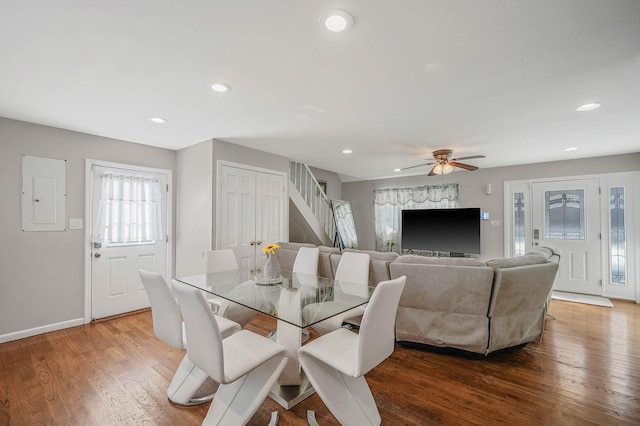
[297, 302]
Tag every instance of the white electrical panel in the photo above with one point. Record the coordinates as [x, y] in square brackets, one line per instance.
[44, 194]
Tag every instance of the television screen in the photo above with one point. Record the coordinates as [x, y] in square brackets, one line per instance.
[445, 230]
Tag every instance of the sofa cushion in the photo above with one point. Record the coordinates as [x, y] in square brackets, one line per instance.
[427, 260]
[377, 255]
[512, 262]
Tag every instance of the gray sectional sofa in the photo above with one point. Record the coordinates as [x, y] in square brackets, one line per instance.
[458, 303]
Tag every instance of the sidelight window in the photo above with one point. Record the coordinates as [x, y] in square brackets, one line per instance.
[617, 232]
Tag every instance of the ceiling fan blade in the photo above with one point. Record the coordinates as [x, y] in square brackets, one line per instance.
[463, 166]
[468, 158]
[431, 173]
[413, 167]
[419, 165]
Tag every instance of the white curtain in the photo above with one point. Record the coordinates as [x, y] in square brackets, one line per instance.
[130, 211]
[389, 203]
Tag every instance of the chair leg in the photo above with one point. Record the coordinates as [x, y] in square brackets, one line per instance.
[311, 418]
[235, 403]
[186, 381]
[349, 399]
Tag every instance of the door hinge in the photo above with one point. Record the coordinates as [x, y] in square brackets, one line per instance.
[167, 187]
[599, 190]
[600, 235]
[166, 238]
[600, 283]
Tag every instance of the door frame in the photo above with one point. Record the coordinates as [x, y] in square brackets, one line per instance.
[88, 193]
[630, 180]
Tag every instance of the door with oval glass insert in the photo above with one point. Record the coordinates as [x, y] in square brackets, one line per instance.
[566, 216]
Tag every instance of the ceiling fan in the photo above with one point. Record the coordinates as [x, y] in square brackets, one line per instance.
[444, 163]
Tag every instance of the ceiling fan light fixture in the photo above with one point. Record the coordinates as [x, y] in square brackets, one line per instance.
[447, 168]
[437, 170]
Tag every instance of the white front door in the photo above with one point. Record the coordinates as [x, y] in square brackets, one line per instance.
[251, 211]
[566, 216]
[115, 284]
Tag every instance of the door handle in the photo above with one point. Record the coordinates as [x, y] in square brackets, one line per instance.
[97, 255]
[258, 243]
[252, 243]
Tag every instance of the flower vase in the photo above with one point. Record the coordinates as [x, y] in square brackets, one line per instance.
[272, 267]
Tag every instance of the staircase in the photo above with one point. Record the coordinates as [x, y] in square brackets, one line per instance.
[311, 219]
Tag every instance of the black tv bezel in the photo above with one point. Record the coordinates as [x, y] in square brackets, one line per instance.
[440, 238]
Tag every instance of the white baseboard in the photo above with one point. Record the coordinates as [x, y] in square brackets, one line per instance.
[40, 330]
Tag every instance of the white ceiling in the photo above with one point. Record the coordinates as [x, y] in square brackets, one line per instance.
[495, 77]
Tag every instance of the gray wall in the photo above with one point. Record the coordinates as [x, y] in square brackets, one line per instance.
[334, 184]
[197, 183]
[472, 192]
[42, 273]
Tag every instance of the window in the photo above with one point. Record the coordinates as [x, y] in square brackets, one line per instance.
[564, 215]
[129, 211]
[389, 203]
[519, 231]
[617, 231]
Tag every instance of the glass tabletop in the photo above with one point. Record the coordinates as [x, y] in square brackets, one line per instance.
[302, 300]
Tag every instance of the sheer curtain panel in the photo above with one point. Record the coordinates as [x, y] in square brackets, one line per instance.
[129, 211]
[389, 203]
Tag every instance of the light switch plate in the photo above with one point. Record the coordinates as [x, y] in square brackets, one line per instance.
[75, 224]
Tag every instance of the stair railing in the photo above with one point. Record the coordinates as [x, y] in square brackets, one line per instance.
[312, 193]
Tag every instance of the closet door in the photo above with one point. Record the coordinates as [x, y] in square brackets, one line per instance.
[270, 213]
[251, 209]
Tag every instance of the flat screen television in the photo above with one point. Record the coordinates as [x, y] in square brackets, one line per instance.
[444, 230]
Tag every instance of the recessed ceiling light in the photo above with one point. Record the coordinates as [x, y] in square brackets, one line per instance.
[346, 151]
[337, 20]
[588, 107]
[219, 87]
[397, 170]
[571, 148]
[158, 120]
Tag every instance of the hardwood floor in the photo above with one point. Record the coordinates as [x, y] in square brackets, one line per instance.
[585, 371]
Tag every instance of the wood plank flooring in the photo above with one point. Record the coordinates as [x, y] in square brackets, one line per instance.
[585, 371]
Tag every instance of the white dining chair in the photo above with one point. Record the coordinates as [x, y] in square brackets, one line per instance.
[336, 363]
[245, 364]
[306, 261]
[306, 264]
[220, 261]
[169, 327]
[352, 278]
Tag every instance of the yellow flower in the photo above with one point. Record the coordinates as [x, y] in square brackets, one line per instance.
[271, 248]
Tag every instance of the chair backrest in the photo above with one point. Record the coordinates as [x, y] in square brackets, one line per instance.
[377, 329]
[306, 261]
[203, 334]
[353, 268]
[221, 260]
[167, 320]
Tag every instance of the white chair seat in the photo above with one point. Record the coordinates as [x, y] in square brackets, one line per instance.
[338, 349]
[319, 310]
[238, 361]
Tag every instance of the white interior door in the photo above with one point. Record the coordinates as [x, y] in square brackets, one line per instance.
[251, 211]
[566, 216]
[115, 284]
